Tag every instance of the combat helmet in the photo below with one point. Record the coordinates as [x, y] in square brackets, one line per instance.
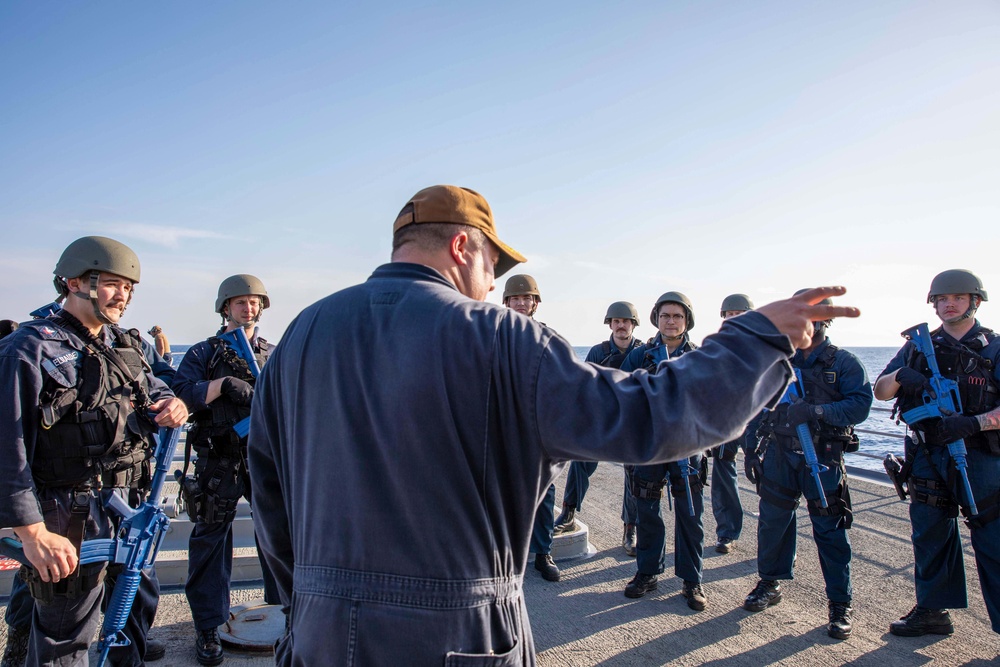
[95, 255]
[825, 302]
[956, 281]
[674, 297]
[622, 310]
[240, 285]
[520, 284]
[735, 302]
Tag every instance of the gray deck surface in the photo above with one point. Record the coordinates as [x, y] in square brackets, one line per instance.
[585, 620]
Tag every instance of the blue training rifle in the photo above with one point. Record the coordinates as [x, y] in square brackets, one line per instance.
[687, 472]
[947, 403]
[135, 546]
[806, 439]
[241, 344]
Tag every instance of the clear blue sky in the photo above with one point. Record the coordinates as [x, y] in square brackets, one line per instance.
[627, 148]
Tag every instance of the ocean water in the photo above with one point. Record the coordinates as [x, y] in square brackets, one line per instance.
[879, 434]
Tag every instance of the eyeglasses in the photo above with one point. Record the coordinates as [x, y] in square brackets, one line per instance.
[668, 316]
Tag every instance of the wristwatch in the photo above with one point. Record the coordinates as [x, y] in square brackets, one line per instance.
[818, 411]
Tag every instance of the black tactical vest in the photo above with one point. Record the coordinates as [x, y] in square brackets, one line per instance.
[213, 427]
[820, 384]
[650, 363]
[100, 426]
[612, 357]
[977, 387]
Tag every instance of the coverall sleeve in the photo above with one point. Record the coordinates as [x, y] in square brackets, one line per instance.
[686, 406]
[267, 475]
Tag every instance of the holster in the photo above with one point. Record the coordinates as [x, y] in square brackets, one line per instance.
[85, 578]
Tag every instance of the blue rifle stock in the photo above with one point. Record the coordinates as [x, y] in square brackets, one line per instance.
[135, 546]
[241, 344]
[948, 402]
[687, 472]
[806, 439]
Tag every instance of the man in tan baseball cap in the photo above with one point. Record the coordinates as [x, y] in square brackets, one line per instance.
[458, 206]
[437, 421]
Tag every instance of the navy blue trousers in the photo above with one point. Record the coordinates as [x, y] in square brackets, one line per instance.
[939, 569]
[210, 549]
[726, 505]
[545, 520]
[689, 532]
[776, 531]
[63, 629]
[578, 482]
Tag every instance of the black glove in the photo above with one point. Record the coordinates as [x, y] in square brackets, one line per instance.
[952, 429]
[801, 413]
[752, 467]
[238, 391]
[912, 382]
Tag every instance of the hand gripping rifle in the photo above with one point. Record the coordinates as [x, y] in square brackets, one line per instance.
[135, 546]
[241, 344]
[806, 439]
[948, 402]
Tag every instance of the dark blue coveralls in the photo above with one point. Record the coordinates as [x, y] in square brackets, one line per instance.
[786, 477]
[35, 361]
[210, 549]
[336, 449]
[651, 533]
[578, 477]
[939, 568]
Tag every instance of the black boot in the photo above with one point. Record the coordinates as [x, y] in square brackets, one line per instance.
[155, 650]
[629, 539]
[840, 620]
[921, 621]
[640, 585]
[764, 594]
[566, 523]
[209, 647]
[548, 568]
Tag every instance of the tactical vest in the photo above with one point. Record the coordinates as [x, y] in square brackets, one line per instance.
[213, 427]
[977, 387]
[819, 382]
[99, 429]
[649, 363]
[611, 357]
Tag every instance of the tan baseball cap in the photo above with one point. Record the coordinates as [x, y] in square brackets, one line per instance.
[458, 206]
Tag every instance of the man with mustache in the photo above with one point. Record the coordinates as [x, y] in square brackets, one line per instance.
[622, 318]
[725, 490]
[77, 427]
